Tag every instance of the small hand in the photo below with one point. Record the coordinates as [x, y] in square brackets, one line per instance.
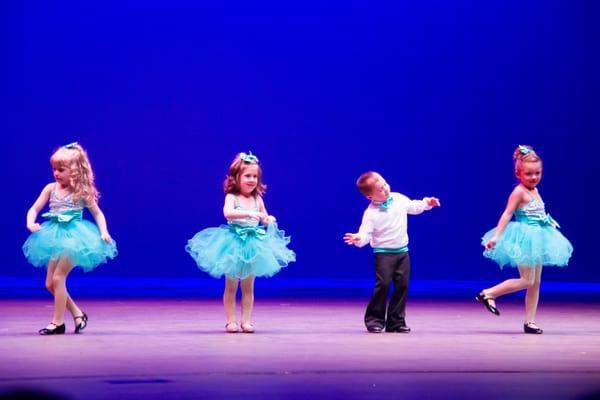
[351, 238]
[257, 215]
[269, 220]
[433, 201]
[34, 227]
[490, 244]
[106, 237]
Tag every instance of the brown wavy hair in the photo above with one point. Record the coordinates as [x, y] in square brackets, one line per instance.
[523, 154]
[232, 179]
[75, 158]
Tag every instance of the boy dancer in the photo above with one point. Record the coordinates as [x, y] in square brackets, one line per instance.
[384, 225]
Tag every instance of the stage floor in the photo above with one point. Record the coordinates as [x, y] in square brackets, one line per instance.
[177, 348]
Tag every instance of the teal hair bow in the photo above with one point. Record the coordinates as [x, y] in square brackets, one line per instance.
[71, 145]
[524, 150]
[249, 158]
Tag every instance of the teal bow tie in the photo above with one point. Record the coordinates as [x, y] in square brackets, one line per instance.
[384, 205]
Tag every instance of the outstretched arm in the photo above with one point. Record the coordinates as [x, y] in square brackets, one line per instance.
[100, 221]
[514, 200]
[418, 206]
[363, 236]
[37, 207]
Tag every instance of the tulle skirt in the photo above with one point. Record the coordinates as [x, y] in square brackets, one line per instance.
[78, 240]
[527, 245]
[241, 252]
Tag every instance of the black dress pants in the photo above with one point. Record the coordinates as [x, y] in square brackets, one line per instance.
[389, 267]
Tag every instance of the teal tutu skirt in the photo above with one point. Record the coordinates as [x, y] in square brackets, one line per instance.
[527, 245]
[241, 251]
[78, 240]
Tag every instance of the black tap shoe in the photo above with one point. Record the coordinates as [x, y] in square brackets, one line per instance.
[487, 302]
[531, 327]
[57, 330]
[82, 323]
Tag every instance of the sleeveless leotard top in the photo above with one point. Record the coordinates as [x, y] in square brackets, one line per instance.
[247, 221]
[62, 204]
[533, 213]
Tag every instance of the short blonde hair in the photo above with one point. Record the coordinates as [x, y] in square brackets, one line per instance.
[365, 182]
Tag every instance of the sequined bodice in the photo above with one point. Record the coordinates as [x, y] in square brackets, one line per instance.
[61, 204]
[244, 221]
[535, 208]
[534, 213]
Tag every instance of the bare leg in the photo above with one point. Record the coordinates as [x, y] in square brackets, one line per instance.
[71, 306]
[512, 285]
[247, 304]
[533, 295]
[229, 293]
[59, 285]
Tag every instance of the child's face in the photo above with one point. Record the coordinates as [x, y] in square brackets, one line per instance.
[380, 190]
[530, 174]
[62, 174]
[248, 179]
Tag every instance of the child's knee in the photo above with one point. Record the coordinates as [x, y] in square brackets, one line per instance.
[230, 290]
[247, 291]
[57, 280]
[529, 282]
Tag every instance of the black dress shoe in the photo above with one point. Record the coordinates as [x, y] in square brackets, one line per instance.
[375, 329]
[530, 327]
[57, 330]
[487, 303]
[399, 329]
[82, 322]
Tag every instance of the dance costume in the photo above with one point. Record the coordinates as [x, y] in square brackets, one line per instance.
[242, 248]
[531, 240]
[67, 234]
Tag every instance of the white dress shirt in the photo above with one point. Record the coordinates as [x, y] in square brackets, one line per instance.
[387, 228]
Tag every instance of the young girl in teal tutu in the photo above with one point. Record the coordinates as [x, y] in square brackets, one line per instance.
[243, 249]
[66, 240]
[529, 242]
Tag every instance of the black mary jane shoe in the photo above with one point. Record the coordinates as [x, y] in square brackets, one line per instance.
[487, 303]
[82, 324]
[531, 327]
[374, 329]
[57, 330]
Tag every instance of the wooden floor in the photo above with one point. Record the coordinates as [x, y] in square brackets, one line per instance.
[150, 349]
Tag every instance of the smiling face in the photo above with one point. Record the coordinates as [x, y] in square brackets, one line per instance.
[380, 190]
[530, 174]
[248, 179]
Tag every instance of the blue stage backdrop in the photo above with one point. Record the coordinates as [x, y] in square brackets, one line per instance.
[434, 95]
